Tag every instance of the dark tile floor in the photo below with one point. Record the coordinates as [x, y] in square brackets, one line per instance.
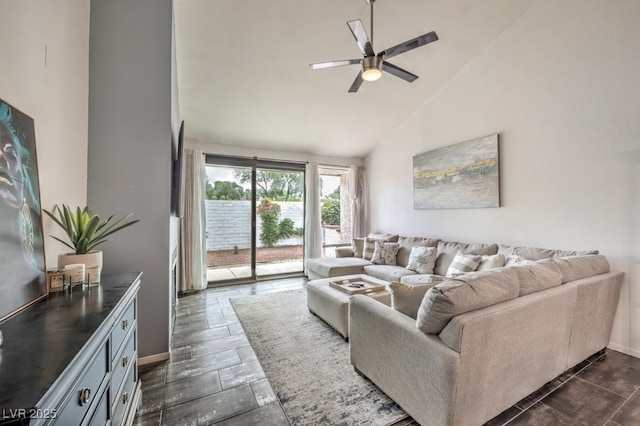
[213, 376]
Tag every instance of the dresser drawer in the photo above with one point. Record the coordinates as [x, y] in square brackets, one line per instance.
[101, 415]
[125, 398]
[122, 363]
[85, 394]
[122, 327]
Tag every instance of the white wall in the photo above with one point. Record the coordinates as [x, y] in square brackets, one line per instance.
[562, 88]
[44, 73]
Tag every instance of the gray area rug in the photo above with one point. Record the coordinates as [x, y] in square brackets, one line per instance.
[307, 364]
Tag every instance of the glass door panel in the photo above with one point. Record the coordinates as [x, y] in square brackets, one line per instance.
[279, 221]
[229, 216]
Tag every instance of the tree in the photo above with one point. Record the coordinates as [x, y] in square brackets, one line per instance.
[282, 186]
[335, 195]
[225, 190]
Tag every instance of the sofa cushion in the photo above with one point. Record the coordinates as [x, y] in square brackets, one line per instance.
[577, 267]
[421, 279]
[358, 246]
[465, 293]
[370, 243]
[336, 266]
[463, 263]
[538, 276]
[390, 238]
[422, 260]
[385, 253]
[345, 251]
[491, 261]
[536, 253]
[407, 243]
[387, 272]
[406, 298]
[447, 250]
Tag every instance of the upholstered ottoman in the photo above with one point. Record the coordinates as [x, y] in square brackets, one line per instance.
[326, 267]
[332, 305]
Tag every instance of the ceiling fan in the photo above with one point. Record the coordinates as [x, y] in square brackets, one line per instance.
[372, 64]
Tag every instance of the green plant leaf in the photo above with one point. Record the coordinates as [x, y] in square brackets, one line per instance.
[84, 229]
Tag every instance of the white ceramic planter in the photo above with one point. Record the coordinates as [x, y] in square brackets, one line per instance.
[92, 262]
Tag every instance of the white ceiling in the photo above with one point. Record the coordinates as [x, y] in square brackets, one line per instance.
[244, 76]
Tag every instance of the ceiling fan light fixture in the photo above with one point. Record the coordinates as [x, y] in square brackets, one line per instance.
[371, 68]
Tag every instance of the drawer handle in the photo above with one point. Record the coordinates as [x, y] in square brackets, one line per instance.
[125, 398]
[125, 324]
[125, 361]
[85, 396]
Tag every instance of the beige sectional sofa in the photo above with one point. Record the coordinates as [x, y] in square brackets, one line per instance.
[460, 350]
[482, 341]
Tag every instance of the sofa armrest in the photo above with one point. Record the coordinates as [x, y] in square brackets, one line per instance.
[416, 370]
[346, 251]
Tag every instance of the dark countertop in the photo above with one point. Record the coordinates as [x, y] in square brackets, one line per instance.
[41, 341]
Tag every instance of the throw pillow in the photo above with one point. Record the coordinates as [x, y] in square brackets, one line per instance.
[368, 248]
[407, 298]
[491, 261]
[463, 294]
[514, 259]
[407, 243]
[358, 246]
[447, 250]
[385, 253]
[422, 259]
[462, 264]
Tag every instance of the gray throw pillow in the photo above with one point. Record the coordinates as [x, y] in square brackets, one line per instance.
[358, 246]
[385, 253]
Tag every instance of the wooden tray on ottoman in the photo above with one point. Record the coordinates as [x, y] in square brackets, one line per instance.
[357, 286]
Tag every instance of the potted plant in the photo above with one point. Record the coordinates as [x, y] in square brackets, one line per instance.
[85, 231]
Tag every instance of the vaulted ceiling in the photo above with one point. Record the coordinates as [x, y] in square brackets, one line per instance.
[244, 76]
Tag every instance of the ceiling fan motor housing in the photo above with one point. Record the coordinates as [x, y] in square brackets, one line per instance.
[371, 68]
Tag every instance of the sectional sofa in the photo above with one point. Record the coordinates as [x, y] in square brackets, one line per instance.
[459, 350]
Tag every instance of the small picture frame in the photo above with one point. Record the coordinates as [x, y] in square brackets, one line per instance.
[55, 280]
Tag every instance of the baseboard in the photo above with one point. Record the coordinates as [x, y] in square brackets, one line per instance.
[624, 350]
[154, 358]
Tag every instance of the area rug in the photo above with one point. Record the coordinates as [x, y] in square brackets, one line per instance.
[307, 364]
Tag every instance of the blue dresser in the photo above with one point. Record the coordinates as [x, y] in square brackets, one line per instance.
[71, 359]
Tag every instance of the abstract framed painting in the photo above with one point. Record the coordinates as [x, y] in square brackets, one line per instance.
[461, 176]
[22, 267]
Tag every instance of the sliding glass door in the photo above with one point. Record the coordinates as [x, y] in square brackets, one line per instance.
[255, 218]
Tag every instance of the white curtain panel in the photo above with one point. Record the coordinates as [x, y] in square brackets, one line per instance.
[193, 266]
[358, 192]
[312, 221]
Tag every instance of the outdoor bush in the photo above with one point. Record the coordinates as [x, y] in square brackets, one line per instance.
[272, 230]
[330, 212]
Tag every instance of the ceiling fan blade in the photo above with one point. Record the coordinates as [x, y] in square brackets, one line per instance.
[408, 45]
[398, 72]
[360, 34]
[356, 83]
[335, 64]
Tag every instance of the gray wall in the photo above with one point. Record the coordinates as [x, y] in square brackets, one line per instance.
[129, 166]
